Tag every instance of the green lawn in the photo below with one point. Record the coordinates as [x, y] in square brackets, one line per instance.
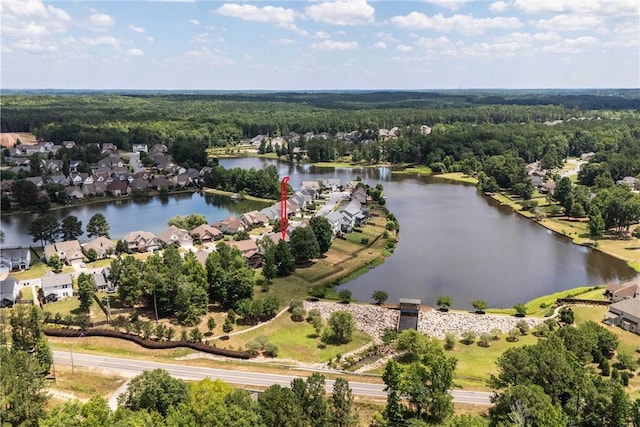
[295, 340]
[414, 170]
[476, 364]
[540, 306]
[37, 270]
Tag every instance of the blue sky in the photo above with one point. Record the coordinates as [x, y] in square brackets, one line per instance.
[307, 45]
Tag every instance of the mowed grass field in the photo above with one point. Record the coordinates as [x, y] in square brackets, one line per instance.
[295, 340]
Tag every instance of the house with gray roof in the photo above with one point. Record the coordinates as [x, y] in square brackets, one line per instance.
[15, 259]
[57, 286]
[175, 236]
[625, 314]
[100, 280]
[206, 233]
[69, 252]
[103, 247]
[9, 291]
[141, 241]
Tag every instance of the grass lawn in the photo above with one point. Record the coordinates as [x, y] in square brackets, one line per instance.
[457, 176]
[476, 364]
[318, 270]
[64, 306]
[36, 271]
[414, 170]
[230, 193]
[540, 306]
[26, 293]
[85, 383]
[295, 340]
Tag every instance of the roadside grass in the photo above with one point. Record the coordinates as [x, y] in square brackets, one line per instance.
[115, 347]
[295, 340]
[85, 383]
[538, 307]
[36, 271]
[476, 364]
[344, 246]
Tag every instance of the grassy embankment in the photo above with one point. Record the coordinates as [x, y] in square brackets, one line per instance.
[577, 230]
[230, 193]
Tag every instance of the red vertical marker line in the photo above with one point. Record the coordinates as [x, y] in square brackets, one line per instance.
[284, 220]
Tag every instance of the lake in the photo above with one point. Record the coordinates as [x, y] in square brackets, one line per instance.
[453, 240]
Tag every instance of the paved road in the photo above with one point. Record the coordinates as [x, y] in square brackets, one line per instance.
[130, 368]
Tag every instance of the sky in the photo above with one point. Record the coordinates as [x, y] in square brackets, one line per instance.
[319, 45]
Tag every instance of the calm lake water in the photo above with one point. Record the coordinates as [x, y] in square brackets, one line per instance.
[453, 240]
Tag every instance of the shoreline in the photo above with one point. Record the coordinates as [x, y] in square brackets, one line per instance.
[547, 223]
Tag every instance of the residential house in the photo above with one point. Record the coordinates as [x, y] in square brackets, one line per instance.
[311, 184]
[118, 188]
[111, 161]
[74, 165]
[139, 184]
[231, 225]
[141, 241]
[141, 175]
[335, 219]
[53, 166]
[626, 314]
[276, 237]
[80, 179]
[332, 184]
[68, 144]
[159, 148]
[9, 291]
[140, 148]
[161, 182]
[69, 252]
[627, 291]
[103, 247]
[206, 233]
[56, 286]
[249, 250]
[15, 258]
[254, 219]
[59, 179]
[301, 199]
[272, 212]
[76, 193]
[37, 181]
[182, 180]
[175, 236]
[359, 194]
[202, 256]
[101, 282]
[109, 148]
[632, 182]
[256, 140]
[293, 137]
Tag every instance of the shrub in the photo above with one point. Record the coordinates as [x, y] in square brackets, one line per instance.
[364, 241]
[566, 315]
[485, 340]
[389, 335]
[294, 304]
[449, 341]
[604, 366]
[479, 305]
[313, 313]
[298, 313]
[625, 378]
[523, 327]
[542, 330]
[318, 291]
[468, 337]
[513, 335]
[345, 296]
[495, 334]
[521, 310]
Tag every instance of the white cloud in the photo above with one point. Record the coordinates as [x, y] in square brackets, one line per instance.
[34, 46]
[387, 37]
[449, 4]
[600, 7]
[149, 39]
[135, 52]
[432, 43]
[576, 45]
[205, 38]
[380, 45]
[498, 6]
[330, 45]
[31, 18]
[549, 36]
[321, 35]
[136, 28]
[284, 41]
[206, 55]
[99, 22]
[465, 24]
[403, 48]
[102, 40]
[569, 22]
[342, 12]
[249, 12]
[194, 21]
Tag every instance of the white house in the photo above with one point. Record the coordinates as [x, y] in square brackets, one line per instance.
[9, 291]
[15, 259]
[57, 286]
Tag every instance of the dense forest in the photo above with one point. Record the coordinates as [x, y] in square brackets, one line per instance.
[492, 135]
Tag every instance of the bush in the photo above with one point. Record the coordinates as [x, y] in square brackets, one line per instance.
[624, 377]
[298, 314]
[495, 334]
[521, 310]
[295, 303]
[364, 241]
[513, 335]
[345, 296]
[523, 327]
[318, 291]
[604, 366]
[468, 337]
[313, 313]
[485, 340]
[450, 341]
[389, 335]
[566, 315]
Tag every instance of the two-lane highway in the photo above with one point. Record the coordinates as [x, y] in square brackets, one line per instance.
[132, 367]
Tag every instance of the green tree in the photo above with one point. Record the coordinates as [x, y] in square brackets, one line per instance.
[444, 301]
[596, 223]
[521, 310]
[191, 303]
[380, 297]
[25, 193]
[479, 305]
[525, 404]
[285, 264]
[211, 324]
[188, 222]
[340, 327]
[392, 378]
[344, 295]
[85, 292]
[55, 263]
[279, 407]
[98, 226]
[44, 228]
[304, 245]
[269, 270]
[342, 413]
[70, 228]
[322, 230]
[154, 391]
